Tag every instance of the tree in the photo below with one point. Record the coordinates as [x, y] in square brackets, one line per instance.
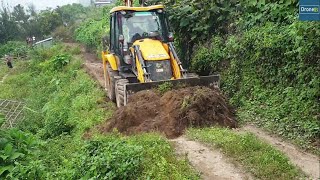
[48, 21]
[8, 27]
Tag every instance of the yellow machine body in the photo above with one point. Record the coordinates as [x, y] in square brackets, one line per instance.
[143, 63]
[152, 50]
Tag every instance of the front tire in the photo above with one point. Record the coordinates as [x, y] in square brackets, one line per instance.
[110, 82]
[121, 92]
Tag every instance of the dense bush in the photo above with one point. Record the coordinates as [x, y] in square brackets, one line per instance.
[16, 149]
[14, 48]
[108, 158]
[91, 31]
[272, 71]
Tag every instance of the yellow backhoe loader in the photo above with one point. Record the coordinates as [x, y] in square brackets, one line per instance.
[139, 54]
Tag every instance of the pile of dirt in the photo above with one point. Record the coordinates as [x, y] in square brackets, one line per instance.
[172, 112]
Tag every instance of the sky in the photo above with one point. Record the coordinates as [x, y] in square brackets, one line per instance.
[39, 4]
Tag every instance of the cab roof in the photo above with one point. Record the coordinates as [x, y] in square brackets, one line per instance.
[126, 8]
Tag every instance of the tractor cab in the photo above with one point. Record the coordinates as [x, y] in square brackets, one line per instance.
[140, 25]
[130, 24]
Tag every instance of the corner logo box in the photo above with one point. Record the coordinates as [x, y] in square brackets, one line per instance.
[309, 10]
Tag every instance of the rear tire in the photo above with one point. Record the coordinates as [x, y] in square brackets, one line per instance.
[121, 93]
[110, 82]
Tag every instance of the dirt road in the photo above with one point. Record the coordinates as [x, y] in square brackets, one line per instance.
[308, 163]
[212, 164]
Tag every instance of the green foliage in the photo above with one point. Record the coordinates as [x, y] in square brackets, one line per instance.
[165, 87]
[8, 28]
[194, 22]
[152, 158]
[48, 89]
[70, 13]
[56, 62]
[92, 30]
[48, 20]
[279, 81]
[108, 158]
[22, 23]
[159, 160]
[16, 148]
[259, 12]
[270, 71]
[3, 70]
[40, 54]
[60, 61]
[14, 48]
[208, 60]
[11, 87]
[260, 158]
[76, 50]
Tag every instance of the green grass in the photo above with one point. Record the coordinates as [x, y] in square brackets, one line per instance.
[15, 86]
[3, 69]
[258, 157]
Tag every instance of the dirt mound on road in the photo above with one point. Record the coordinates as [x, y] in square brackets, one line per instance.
[172, 112]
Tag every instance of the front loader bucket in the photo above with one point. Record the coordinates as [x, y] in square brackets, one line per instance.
[209, 81]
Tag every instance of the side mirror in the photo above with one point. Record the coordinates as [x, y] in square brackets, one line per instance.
[170, 37]
[105, 43]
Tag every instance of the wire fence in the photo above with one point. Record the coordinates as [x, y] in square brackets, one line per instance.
[12, 111]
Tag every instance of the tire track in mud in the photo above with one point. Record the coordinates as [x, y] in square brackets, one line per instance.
[95, 70]
[308, 163]
[211, 163]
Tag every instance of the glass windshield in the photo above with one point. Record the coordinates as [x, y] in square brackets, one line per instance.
[139, 24]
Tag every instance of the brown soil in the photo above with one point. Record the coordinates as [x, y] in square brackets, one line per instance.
[173, 112]
[95, 70]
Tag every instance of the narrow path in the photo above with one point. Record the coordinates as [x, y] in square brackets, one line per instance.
[92, 64]
[307, 162]
[96, 71]
[3, 78]
[211, 163]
